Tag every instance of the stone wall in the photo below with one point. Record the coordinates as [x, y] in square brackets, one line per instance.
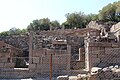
[102, 54]
[7, 54]
[116, 30]
[18, 41]
[42, 64]
[39, 57]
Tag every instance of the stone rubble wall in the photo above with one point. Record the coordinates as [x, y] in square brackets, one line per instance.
[103, 54]
[18, 41]
[116, 30]
[42, 64]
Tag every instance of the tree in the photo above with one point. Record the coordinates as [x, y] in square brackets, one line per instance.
[41, 24]
[44, 24]
[107, 13]
[91, 17]
[23, 31]
[78, 20]
[117, 17]
[5, 33]
[75, 19]
[111, 12]
[14, 31]
[117, 13]
[55, 24]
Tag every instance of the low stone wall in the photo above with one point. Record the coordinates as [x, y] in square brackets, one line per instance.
[103, 54]
[42, 64]
[10, 73]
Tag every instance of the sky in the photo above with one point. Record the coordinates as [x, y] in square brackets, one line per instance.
[20, 13]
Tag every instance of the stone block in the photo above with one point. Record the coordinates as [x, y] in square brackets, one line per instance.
[39, 66]
[32, 66]
[115, 45]
[61, 67]
[1, 65]
[62, 78]
[37, 53]
[108, 75]
[94, 49]
[55, 67]
[118, 60]
[55, 60]
[30, 60]
[95, 60]
[94, 56]
[35, 59]
[82, 65]
[45, 67]
[3, 60]
[113, 61]
[9, 65]
[46, 60]
[63, 60]
[71, 78]
[7, 69]
[108, 50]
[93, 77]
[99, 44]
[45, 72]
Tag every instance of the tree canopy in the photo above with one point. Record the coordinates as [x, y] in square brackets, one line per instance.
[109, 13]
[78, 20]
[13, 31]
[42, 24]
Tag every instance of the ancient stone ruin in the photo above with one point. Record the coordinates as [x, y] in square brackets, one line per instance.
[79, 53]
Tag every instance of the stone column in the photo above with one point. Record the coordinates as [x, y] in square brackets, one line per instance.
[30, 46]
[88, 57]
[68, 49]
[68, 56]
[50, 27]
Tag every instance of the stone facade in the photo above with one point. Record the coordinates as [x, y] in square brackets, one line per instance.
[101, 54]
[73, 51]
[116, 30]
[39, 58]
[7, 52]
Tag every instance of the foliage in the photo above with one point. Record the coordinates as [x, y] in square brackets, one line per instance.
[78, 20]
[75, 19]
[42, 24]
[111, 12]
[5, 33]
[55, 24]
[13, 31]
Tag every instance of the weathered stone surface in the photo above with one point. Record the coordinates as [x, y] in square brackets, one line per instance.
[35, 59]
[100, 44]
[9, 65]
[39, 66]
[1, 65]
[32, 66]
[62, 78]
[3, 60]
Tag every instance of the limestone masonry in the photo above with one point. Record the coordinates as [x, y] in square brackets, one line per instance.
[91, 53]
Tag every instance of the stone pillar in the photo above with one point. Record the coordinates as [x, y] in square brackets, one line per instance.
[68, 56]
[30, 46]
[63, 27]
[50, 27]
[88, 57]
[68, 49]
[81, 54]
